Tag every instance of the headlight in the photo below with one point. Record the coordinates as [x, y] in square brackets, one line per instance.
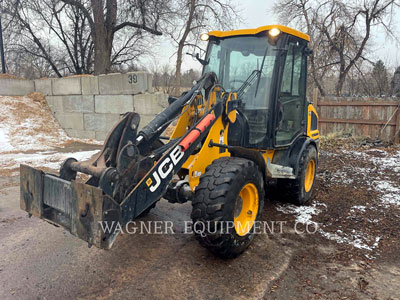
[274, 32]
[204, 37]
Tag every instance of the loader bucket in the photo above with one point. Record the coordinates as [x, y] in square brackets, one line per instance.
[78, 207]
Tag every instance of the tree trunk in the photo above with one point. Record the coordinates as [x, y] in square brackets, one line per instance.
[102, 55]
[178, 65]
[340, 82]
[103, 34]
[181, 44]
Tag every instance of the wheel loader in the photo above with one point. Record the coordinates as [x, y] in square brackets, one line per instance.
[245, 123]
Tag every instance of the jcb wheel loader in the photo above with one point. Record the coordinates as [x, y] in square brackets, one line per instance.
[244, 123]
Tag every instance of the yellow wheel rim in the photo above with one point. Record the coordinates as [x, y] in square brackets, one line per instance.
[246, 209]
[309, 179]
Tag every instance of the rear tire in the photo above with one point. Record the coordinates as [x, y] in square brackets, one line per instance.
[299, 191]
[231, 191]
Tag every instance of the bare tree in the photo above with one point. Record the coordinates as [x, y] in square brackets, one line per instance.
[107, 17]
[85, 36]
[380, 79]
[196, 16]
[339, 30]
[163, 78]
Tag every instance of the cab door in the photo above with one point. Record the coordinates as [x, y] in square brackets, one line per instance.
[291, 102]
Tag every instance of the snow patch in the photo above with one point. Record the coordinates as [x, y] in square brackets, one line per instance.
[5, 141]
[303, 214]
[27, 125]
[360, 208]
[45, 159]
[356, 239]
[391, 193]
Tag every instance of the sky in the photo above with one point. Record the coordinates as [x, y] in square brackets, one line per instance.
[259, 12]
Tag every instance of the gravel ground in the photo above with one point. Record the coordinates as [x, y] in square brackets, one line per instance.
[353, 254]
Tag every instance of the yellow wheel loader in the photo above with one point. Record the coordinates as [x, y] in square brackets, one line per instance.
[244, 123]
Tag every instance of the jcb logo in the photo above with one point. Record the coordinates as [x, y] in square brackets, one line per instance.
[165, 167]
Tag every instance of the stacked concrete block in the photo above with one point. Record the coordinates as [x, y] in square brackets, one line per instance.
[71, 121]
[15, 87]
[100, 122]
[149, 105]
[149, 82]
[90, 106]
[90, 85]
[67, 86]
[69, 112]
[113, 104]
[123, 84]
[78, 103]
[56, 104]
[44, 86]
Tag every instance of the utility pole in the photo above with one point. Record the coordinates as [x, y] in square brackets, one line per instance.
[3, 63]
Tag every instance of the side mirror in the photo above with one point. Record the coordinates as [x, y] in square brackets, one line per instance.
[197, 56]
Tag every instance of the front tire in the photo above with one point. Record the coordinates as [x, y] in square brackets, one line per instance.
[227, 202]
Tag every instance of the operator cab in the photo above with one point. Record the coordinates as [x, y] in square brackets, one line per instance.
[267, 67]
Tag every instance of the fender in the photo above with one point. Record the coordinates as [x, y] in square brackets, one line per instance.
[250, 154]
[297, 151]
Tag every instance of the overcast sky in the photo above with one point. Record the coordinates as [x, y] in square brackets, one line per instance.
[259, 12]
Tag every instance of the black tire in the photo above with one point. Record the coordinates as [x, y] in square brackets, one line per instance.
[293, 190]
[215, 199]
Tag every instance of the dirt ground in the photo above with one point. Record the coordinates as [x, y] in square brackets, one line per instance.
[353, 254]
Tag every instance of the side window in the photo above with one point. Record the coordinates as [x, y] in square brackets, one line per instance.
[291, 84]
[287, 72]
[291, 101]
[214, 64]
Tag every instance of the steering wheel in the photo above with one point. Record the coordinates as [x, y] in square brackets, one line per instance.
[231, 82]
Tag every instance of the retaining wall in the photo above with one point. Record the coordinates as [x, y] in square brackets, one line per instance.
[88, 107]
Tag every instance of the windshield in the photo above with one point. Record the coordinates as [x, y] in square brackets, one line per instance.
[234, 59]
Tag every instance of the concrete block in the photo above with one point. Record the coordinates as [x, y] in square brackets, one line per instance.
[149, 104]
[80, 134]
[101, 135]
[49, 100]
[70, 120]
[77, 103]
[90, 85]
[15, 87]
[162, 99]
[43, 86]
[123, 84]
[55, 103]
[149, 82]
[67, 86]
[113, 104]
[100, 122]
[144, 120]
